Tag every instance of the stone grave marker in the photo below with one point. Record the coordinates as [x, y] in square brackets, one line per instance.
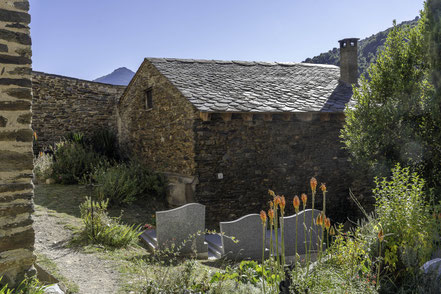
[247, 230]
[290, 232]
[182, 224]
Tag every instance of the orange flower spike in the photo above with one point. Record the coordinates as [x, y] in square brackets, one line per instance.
[277, 201]
[332, 231]
[296, 203]
[319, 220]
[271, 204]
[323, 187]
[263, 217]
[282, 203]
[304, 199]
[313, 183]
[271, 215]
[271, 193]
[381, 235]
[327, 224]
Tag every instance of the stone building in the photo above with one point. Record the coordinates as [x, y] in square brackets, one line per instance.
[16, 160]
[61, 105]
[227, 131]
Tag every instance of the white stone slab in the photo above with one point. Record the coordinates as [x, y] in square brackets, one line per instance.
[182, 224]
[248, 232]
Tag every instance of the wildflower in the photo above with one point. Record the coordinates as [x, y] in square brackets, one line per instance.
[323, 187]
[271, 215]
[304, 199]
[277, 201]
[327, 223]
[332, 231]
[296, 203]
[319, 220]
[271, 204]
[381, 235]
[313, 183]
[271, 193]
[263, 216]
[282, 204]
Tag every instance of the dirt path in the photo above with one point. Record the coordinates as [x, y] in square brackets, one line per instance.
[91, 274]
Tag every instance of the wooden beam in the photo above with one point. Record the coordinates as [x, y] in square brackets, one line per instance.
[247, 116]
[325, 116]
[205, 116]
[286, 116]
[226, 116]
[268, 117]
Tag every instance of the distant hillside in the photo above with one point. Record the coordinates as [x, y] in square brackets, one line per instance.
[367, 50]
[120, 76]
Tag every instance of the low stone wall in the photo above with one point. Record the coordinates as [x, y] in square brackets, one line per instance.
[238, 161]
[16, 189]
[62, 105]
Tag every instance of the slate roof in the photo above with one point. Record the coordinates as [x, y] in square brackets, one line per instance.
[238, 86]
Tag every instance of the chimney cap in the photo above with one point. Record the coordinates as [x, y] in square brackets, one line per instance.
[348, 40]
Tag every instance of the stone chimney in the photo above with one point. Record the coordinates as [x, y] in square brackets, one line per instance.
[348, 60]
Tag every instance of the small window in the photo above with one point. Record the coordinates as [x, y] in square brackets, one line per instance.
[148, 99]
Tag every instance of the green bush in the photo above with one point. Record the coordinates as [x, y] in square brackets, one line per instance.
[73, 162]
[406, 220]
[104, 142]
[99, 228]
[125, 183]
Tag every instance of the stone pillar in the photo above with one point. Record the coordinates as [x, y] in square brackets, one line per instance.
[16, 159]
[348, 60]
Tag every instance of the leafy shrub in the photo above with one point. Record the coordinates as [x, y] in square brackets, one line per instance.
[99, 228]
[75, 138]
[405, 218]
[73, 162]
[43, 166]
[125, 183]
[104, 142]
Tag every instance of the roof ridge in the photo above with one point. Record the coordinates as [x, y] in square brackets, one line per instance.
[238, 62]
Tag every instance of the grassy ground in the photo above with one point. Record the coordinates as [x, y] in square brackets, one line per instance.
[67, 199]
[136, 266]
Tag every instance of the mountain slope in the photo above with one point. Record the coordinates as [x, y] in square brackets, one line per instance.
[367, 50]
[120, 76]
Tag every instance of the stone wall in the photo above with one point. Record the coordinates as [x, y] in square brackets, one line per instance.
[16, 160]
[63, 104]
[238, 161]
[162, 137]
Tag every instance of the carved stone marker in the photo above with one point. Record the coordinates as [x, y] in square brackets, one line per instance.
[185, 223]
[290, 232]
[247, 230]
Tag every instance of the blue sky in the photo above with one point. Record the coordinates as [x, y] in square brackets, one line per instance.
[90, 38]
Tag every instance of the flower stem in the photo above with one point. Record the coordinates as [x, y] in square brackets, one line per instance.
[263, 258]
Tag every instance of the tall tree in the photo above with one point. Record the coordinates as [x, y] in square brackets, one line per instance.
[386, 125]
